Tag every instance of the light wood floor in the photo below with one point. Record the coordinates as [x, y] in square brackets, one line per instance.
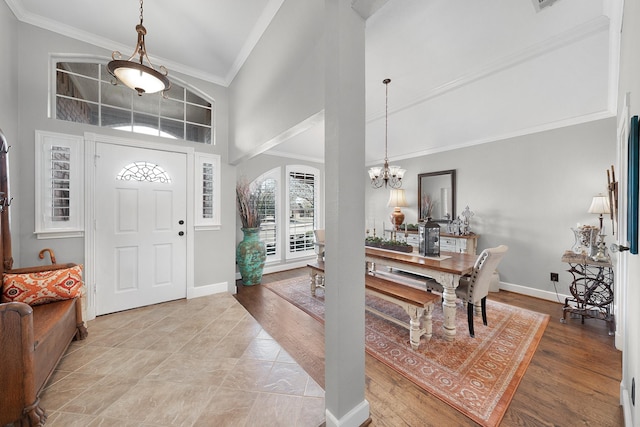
[573, 379]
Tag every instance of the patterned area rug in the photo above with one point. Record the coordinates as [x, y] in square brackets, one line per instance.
[477, 376]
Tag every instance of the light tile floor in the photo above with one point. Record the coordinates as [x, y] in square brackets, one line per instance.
[199, 362]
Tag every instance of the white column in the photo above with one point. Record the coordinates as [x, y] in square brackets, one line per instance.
[345, 177]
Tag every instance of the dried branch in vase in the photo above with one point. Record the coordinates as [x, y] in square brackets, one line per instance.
[248, 198]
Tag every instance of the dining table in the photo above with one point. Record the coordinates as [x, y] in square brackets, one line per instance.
[446, 269]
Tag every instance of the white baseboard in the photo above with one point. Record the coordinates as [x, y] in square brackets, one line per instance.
[203, 291]
[625, 402]
[536, 293]
[354, 418]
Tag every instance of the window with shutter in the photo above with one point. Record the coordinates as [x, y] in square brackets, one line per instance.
[207, 198]
[59, 185]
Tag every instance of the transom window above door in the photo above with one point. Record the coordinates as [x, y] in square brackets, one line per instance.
[85, 93]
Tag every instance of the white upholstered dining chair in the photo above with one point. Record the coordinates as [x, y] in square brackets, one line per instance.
[473, 289]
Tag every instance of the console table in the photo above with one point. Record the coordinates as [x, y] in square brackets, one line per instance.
[591, 288]
[462, 244]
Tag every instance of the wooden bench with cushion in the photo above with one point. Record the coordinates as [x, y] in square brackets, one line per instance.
[416, 302]
[33, 339]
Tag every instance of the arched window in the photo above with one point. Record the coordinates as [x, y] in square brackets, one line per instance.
[85, 93]
[288, 222]
[269, 212]
[144, 172]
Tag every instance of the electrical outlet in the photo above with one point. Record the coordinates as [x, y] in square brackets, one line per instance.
[554, 277]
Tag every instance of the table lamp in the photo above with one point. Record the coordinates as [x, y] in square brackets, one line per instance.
[397, 201]
[600, 205]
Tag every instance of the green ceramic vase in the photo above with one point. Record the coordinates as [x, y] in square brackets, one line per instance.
[251, 254]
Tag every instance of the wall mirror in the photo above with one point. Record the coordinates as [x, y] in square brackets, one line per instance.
[437, 195]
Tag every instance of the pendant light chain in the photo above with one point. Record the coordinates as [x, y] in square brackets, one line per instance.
[386, 175]
[133, 72]
[386, 117]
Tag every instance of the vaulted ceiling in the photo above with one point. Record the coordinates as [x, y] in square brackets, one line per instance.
[463, 72]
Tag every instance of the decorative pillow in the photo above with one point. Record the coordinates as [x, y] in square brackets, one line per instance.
[43, 287]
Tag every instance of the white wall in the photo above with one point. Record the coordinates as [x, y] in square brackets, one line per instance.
[281, 83]
[630, 83]
[214, 250]
[525, 192]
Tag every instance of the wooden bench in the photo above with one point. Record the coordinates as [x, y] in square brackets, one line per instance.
[316, 276]
[416, 302]
[33, 341]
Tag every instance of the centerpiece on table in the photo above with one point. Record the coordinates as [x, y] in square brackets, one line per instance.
[251, 252]
[393, 245]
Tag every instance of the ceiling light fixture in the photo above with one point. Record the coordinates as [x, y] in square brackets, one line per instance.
[133, 73]
[386, 175]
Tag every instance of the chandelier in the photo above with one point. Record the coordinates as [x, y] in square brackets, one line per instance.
[386, 175]
[133, 73]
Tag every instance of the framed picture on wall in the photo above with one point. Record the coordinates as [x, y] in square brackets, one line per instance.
[632, 187]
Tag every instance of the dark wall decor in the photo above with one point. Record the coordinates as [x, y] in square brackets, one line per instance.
[632, 187]
[437, 196]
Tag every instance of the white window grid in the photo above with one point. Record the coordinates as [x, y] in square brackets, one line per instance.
[148, 115]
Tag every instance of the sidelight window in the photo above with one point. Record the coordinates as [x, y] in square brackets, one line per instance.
[207, 197]
[59, 185]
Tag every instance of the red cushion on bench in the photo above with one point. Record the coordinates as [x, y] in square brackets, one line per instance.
[42, 287]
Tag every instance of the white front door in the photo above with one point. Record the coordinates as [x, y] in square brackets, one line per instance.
[140, 227]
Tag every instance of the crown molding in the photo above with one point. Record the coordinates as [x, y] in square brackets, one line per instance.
[295, 156]
[306, 124]
[16, 8]
[599, 115]
[102, 42]
[259, 28]
[550, 44]
[367, 8]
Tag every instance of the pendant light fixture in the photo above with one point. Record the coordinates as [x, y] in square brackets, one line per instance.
[386, 175]
[134, 73]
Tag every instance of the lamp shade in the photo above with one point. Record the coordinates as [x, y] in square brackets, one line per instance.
[599, 205]
[397, 199]
[138, 77]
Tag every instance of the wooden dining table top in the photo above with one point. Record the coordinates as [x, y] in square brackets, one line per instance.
[454, 263]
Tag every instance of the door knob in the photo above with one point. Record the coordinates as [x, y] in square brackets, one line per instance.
[618, 248]
[181, 222]
[181, 233]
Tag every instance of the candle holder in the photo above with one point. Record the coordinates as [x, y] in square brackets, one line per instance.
[601, 255]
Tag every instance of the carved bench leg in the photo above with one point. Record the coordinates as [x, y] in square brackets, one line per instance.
[312, 282]
[33, 415]
[81, 332]
[415, 325]
[428, 321]
[81, 329]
